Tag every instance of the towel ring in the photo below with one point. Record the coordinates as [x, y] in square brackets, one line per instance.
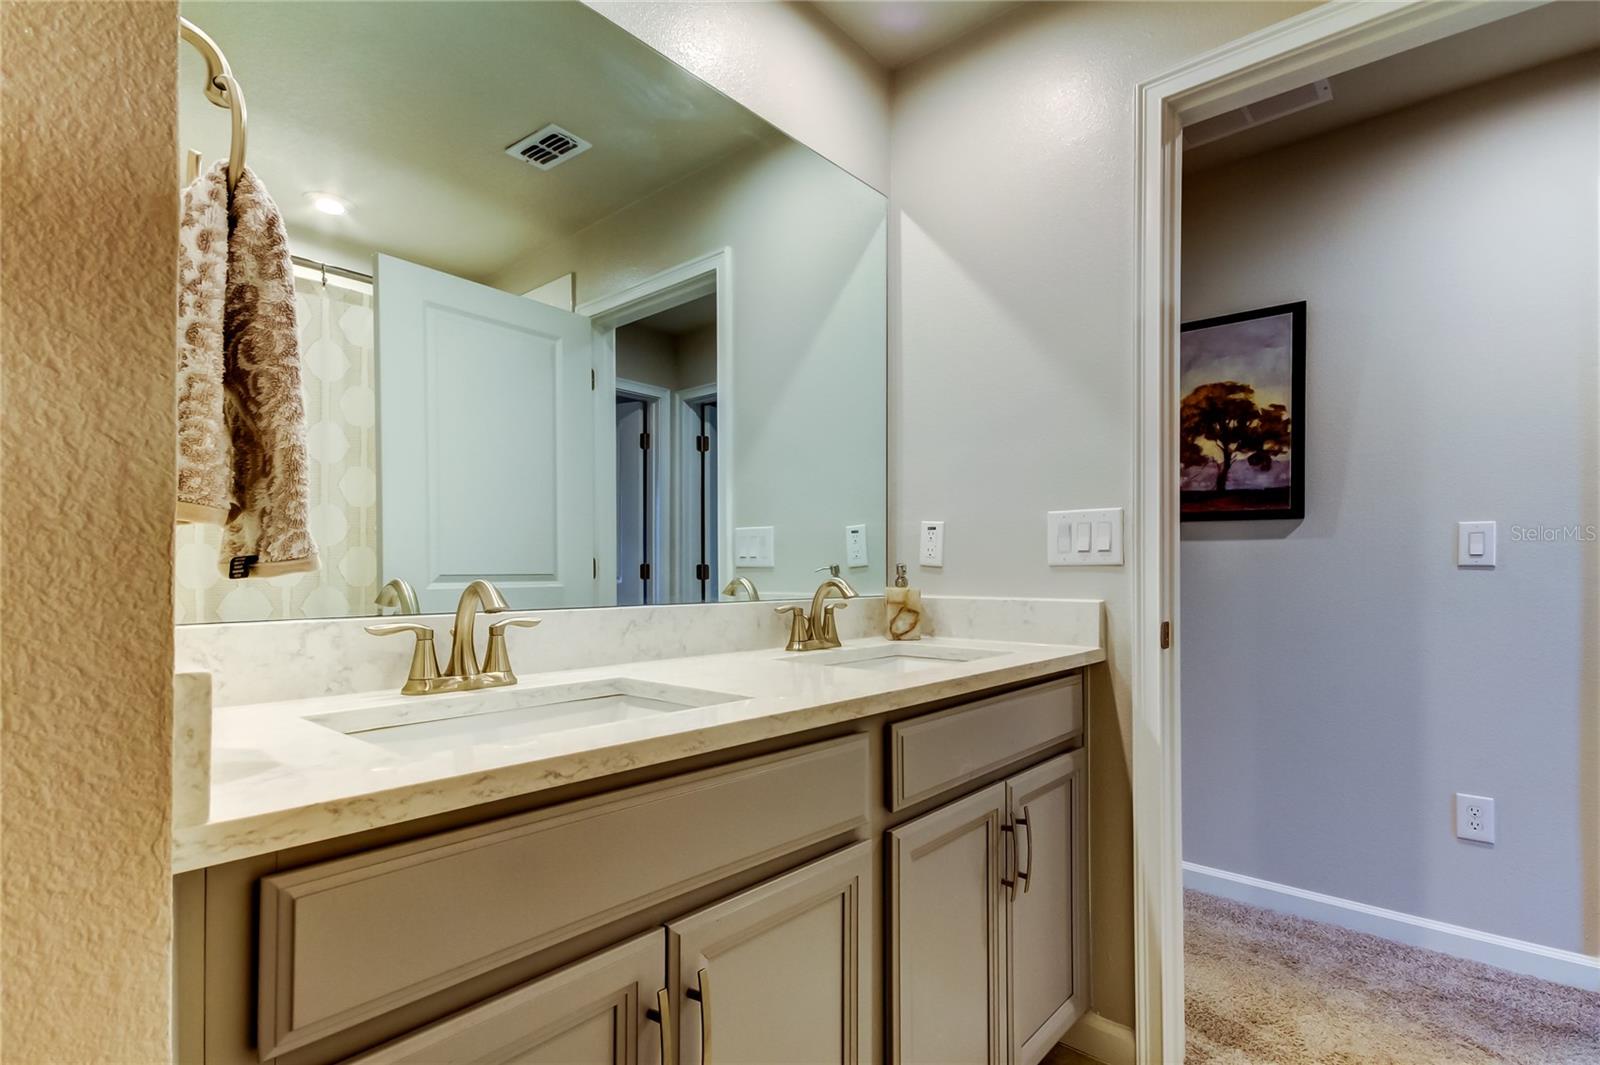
[223, 90]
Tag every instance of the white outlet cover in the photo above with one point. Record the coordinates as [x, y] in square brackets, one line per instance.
[930, 543]
[1474, 818]
[855, 546]
[754, 547]
[1083, 537]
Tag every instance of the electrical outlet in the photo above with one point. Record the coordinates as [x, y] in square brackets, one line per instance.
[855, 546]
[1475, 818]
[931, 538]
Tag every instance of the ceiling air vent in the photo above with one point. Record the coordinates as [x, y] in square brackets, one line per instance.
[548, 147]
[1231, 122]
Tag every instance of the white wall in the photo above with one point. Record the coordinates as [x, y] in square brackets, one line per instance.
[783, 61]
[807, 398]
[1341, 677]
[1012, 336]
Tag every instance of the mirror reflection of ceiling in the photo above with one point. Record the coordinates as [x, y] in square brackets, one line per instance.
[404, 111]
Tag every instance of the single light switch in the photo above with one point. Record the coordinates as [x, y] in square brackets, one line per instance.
[1080, 536]
[1102, 536]
[1475, 544]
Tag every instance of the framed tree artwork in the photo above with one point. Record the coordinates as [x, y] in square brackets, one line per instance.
[1241, 418]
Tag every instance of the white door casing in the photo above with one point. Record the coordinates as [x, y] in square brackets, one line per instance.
[486, 441]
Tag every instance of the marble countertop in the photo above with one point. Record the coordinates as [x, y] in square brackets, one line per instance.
[281, 779]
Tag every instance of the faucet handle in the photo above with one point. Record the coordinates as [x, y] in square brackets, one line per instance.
[496, 660]
[423, 678]
[829, 634]
[799, 627]
[832, 569]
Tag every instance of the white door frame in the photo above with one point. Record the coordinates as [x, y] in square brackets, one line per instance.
[683, 558]
[712, 272]
[657, 420]
[1318, 44]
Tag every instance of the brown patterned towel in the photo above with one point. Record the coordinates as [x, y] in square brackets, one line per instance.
[256, 449]
[203, 451]
[267, 531]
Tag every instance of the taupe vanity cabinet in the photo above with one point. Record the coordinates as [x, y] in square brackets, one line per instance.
[986, 928]
[776, 975]
[773, 974]
[903, 889]
[597, 1012]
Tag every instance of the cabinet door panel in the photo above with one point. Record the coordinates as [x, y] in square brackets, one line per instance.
[947, 942]
[591, 1013]
[780, 969]
[1046, 933]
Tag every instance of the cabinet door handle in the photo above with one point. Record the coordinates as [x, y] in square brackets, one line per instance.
[662, 1015]
[702, 995]
[1026, 821]
[1008, 858]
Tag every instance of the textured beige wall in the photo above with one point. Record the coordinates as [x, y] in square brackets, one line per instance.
[89, 213]
[1012, 315]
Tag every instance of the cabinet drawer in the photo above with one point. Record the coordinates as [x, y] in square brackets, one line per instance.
[346, 940]
[935, 753]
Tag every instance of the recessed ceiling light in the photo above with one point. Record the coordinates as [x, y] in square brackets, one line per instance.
[327, 203]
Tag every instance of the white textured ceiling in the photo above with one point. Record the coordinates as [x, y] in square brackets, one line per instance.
[405, 109]
[1539, 35]
[898, 32]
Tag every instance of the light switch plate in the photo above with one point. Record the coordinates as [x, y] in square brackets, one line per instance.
[930, 543]
[855, 545]
[754, 547]
[1084, 537]
[1475, 544]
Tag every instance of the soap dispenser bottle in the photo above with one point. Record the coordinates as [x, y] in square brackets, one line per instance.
[902, 606]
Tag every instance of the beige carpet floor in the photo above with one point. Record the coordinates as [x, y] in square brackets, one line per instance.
[1262, 988]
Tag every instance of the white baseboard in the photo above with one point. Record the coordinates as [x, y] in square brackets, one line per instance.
[1105, 1041]
[1518, 956]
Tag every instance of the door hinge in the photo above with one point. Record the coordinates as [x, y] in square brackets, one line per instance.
[592, 381]
[702, 572]
[1166, 635]
[644, 571]
[644, 441]
[702, 443]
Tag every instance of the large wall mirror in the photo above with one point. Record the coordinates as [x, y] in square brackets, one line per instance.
[570, 319]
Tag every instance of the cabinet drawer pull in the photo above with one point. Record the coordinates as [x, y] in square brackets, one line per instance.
[662, 1015]
[702, 995]
[1026, 821]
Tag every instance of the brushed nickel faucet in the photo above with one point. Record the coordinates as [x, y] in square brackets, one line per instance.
[399, 596]
[817, 631]
[747, 584]
[462, 673]
[463, 649]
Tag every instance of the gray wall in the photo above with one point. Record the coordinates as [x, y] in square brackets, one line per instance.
[1012, 337]
[1341, 677]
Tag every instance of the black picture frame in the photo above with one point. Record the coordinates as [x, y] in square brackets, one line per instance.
[1232, 504]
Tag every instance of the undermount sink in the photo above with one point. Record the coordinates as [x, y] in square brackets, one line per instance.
[905, 658]
[428, 723]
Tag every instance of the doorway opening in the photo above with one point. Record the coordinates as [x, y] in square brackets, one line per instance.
[1316, 47]
[666, 499]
